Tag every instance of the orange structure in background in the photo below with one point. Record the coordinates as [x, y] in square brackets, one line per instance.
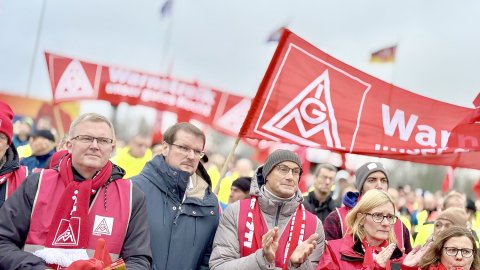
[61, 115]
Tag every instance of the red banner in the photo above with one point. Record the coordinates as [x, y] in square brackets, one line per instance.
[309, 98]
[73, 79]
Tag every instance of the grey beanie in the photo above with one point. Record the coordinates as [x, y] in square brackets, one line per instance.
[365, 170]
[277, 157]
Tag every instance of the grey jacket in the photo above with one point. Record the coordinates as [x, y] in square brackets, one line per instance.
[226, 249]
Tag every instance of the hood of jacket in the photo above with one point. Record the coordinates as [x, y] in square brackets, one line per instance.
[350, 199]
[269, 204]
[117, 172]
[12, 161]
[176, 179]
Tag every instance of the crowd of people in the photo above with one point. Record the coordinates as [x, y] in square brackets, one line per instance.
[84, 201]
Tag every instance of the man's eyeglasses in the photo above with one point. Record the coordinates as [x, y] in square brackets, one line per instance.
[378, 218]
[186, 150]
[89, 139]
[284, 170]
[466, 252]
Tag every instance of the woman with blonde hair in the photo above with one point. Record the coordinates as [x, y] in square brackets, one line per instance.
[453, 248]
[370, 241]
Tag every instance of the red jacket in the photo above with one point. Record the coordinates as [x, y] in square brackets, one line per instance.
[345, 253]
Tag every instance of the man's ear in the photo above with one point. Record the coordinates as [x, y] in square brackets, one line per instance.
[165, 148]
[68, 146]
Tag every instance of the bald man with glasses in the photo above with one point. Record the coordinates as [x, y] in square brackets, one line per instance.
[183, 212]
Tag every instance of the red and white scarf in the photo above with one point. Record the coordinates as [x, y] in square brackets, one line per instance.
[255, 226]
[75, 201]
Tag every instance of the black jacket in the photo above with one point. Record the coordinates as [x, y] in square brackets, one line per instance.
[11, 164]
[320, 209]
[15, 222]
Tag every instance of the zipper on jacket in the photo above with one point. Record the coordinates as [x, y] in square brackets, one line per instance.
[277, 216]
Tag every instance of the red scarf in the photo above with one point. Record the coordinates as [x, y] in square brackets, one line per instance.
[69, 223]
[370, 250]
[255, 220]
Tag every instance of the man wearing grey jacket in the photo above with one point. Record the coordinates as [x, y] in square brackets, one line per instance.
[272, 229]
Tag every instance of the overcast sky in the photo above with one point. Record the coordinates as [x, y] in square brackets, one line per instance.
[223, 44]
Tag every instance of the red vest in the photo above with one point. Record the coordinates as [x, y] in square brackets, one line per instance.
[110, 224]
[13, 180]
[398, 227]
[310, 227]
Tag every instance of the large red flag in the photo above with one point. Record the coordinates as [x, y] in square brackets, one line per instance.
[309, 98]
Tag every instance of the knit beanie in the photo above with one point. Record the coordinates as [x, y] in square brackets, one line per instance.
[6, 117]
[365, 170]
[242, 183]
[277, 157]
[455, 215]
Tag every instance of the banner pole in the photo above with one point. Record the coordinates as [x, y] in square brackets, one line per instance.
[35, 47]
[225, 166]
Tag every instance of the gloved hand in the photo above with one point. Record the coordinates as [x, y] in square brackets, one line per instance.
[92, 264]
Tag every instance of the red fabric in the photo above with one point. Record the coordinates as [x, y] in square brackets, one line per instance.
[56, 157]
[13, 180]
[254, 219]
[6, 117]
[74, 203]
[448, 180]
[476, 188]
[92, 264]
[370, 250]
[73, 80]
[334, 249]
[309, 98]
[101, 252]
[244, 233]
[295, 234]
[106, 219]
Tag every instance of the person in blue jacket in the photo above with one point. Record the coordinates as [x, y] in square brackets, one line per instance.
[183, 212]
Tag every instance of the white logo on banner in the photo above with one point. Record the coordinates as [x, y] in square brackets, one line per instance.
[322, 115]
[102, 225]
[69, 236]
[232, 120]
[74, 83]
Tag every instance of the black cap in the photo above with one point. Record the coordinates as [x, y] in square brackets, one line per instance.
[45, 134]
[243, 183]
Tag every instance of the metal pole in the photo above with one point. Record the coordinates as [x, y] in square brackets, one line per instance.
[35, 47]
